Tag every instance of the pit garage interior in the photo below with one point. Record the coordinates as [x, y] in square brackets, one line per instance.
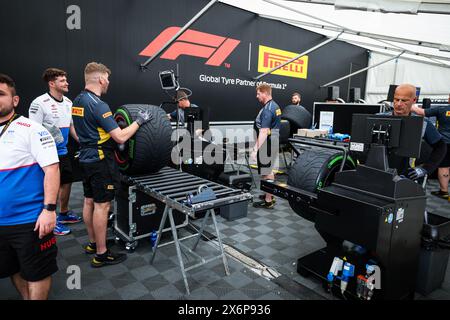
[352, 55]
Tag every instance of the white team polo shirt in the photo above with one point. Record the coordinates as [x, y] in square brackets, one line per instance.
[25, 148]
[45, 109]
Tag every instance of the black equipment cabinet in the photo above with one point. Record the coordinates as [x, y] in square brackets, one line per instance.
[388, 224]
[370, 208]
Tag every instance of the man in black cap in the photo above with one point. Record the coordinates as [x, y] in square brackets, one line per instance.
[185, 115]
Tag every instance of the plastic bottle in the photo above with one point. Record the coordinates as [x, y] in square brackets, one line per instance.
[153, 238]
[330, 130]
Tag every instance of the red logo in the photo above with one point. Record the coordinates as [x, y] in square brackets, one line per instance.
[192, 43]
[48, 244]
[24, 124]
[274, 60]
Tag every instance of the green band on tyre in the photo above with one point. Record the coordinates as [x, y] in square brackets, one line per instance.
[131, 142]
[124, 113]
[319, 185]
[332, 162]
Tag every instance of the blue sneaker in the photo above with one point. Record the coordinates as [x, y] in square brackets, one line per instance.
[61, 230]
[70, 217]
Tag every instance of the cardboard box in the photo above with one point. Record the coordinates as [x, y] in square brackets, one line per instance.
[312, 133]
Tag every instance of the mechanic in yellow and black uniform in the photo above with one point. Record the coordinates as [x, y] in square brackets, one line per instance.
[265, 151]
[95, 126]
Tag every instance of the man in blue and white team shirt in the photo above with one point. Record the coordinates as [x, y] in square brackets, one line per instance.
[54, 111]
[29, 183]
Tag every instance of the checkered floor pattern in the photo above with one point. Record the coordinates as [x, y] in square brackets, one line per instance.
[276, 238]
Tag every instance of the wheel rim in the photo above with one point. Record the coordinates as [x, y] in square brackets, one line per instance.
[122, 157]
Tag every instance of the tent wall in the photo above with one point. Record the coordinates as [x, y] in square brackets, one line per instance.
[115, 32]
[434, 81]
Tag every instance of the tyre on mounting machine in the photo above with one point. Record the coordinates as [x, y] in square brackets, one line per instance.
[315, 169]
[298, 117]
[150, 148]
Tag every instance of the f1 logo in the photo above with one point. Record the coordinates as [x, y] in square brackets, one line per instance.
[192, 43]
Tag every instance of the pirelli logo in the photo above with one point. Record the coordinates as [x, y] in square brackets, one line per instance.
[77, 111]
[270, 58]
[107, 114]
[447, 114]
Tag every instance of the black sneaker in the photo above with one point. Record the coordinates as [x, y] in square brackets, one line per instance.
[264, 204]
[107, 258]
[263, 197]
[440, 194]
[90, 248]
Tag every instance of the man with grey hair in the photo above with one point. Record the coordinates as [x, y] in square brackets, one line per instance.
[404, 99]
[97, 133]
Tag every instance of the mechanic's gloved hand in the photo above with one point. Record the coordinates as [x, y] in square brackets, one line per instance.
[55, 132]
[143, 116]
[416, 173]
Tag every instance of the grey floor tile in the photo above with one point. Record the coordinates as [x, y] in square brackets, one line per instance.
[132, 291]
[98, 289]
[275, 237]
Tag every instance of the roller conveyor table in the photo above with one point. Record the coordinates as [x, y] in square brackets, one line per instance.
[171, 187]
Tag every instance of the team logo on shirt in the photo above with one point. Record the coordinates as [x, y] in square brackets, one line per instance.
[107, 114]
[24, 124]
[48, 244]
[278, 112]
[46, 140]
[270, 58]
[77, 111]
[447, 114]
[34, 109]
[43, 133]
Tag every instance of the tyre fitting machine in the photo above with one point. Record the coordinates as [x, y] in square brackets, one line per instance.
[372, 207]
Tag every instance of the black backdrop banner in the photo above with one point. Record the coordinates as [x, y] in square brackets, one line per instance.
[217, 58]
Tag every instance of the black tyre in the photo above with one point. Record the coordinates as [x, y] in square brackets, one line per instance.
[149, 149]
[285, 131]
[297, 116]
[315, 169]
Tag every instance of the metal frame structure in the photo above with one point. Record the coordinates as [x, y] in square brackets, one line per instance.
[337, 27]
[342, 29]
[171, 186]
[373, 36]
[361, 70]
[130, 239]
[427, 7]
[434, 7]
[179, 244]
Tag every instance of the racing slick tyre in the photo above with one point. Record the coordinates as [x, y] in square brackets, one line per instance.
[297, 116]
[150, 148]
[315, 169]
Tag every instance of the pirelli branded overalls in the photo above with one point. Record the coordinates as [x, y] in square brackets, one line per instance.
[268, 117]
[93, 120]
